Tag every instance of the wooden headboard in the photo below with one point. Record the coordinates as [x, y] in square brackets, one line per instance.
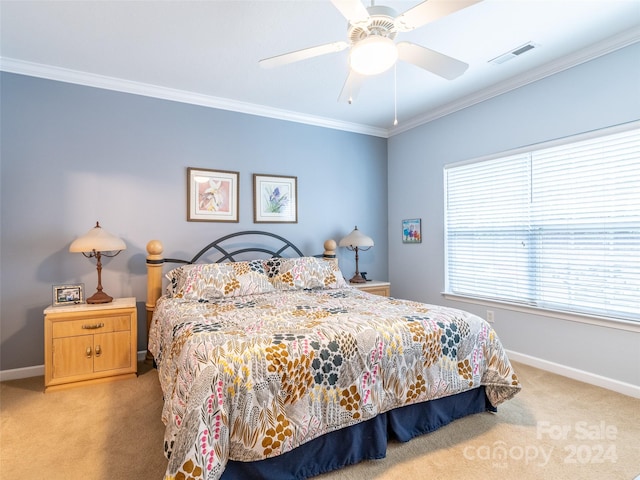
[230, 248]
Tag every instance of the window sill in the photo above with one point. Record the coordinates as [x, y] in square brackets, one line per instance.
[607, 322]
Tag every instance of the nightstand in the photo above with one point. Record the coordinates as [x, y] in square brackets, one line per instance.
[375, 287]
[90, 343]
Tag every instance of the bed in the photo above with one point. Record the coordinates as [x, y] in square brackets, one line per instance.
[273, 367]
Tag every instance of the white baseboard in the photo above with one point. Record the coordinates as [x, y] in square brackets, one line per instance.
[38, 370]
[576, 374]
[18, 373]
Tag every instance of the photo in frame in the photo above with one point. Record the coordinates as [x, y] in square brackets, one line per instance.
[275, 199]
[412, 230]
[68, 294]
[212, 195]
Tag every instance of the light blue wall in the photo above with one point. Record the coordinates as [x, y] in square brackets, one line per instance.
[71, 155]
[597, 94]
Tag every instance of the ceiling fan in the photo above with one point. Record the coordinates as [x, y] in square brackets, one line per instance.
[371, 32]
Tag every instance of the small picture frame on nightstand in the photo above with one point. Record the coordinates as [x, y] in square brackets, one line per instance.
[68, 294]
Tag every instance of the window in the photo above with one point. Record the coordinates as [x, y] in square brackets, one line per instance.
[556, 228]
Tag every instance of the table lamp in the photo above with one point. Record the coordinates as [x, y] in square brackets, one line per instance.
[97, 243]
[356, 241]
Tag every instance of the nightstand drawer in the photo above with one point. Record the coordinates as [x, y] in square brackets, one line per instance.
[91, 325]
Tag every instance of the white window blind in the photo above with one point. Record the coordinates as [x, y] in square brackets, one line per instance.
[556, 228]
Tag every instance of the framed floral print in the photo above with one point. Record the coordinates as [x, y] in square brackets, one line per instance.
[212, 195]
[275, 199]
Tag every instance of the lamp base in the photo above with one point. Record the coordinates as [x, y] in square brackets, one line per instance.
[357, 278]
[99, 297]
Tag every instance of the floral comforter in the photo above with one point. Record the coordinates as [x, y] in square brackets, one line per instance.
[251, 377]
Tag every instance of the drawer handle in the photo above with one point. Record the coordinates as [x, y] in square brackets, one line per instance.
[98, 351]
[94, 326]
[88, 352]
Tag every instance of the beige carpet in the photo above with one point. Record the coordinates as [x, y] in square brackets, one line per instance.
[556, 428]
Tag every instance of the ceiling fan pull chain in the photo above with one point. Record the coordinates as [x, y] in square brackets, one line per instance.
[395, 95]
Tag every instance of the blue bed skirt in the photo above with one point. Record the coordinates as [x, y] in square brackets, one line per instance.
[364, 441]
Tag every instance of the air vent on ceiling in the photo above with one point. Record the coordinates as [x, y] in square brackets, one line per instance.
[514, 53]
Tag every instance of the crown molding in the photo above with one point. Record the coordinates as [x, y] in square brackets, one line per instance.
[50, 72]
[59, 74]
[626, 38]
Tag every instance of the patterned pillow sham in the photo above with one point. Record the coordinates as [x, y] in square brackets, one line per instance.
[303, 273]
[217, 280]
[175, 278]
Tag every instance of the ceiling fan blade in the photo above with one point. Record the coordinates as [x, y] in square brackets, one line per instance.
[303, 54]
[428, 11]
[353, 10]
[430, 60]
[351, 87]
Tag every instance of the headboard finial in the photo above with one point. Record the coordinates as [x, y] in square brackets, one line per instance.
[330, 248]
[154, 247]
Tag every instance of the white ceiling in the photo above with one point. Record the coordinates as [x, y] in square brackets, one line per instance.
[207, 52]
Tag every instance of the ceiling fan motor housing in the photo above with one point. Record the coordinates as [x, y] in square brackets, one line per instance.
[381, 22]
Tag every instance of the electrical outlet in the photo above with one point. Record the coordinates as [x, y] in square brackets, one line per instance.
[490, 318]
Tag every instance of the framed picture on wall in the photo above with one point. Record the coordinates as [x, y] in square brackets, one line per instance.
[412, 230]
[68, 294]
[212, 195]
[275, 199]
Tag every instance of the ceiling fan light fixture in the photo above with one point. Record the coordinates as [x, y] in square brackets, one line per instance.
[373, 55]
